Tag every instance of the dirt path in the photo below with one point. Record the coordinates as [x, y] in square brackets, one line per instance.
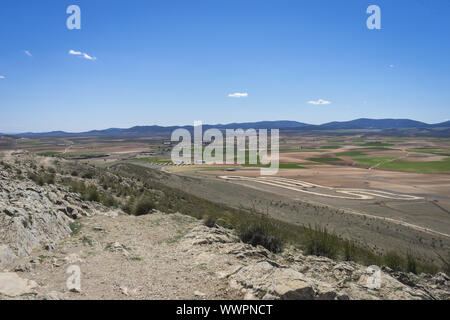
[128, 257]
[303, 186]
[391, 160]
[71, 144]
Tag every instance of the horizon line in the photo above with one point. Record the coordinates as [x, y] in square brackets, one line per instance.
[206, 124]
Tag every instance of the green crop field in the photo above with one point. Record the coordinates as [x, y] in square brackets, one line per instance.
[408, 166]
[34, 142]
[351, 154]
[282, 166]
[325, 159]
[151, 160]
[437, 151]
[372, 161]
[377, 144]
[376, 148]
[301, 150]
[420, 167]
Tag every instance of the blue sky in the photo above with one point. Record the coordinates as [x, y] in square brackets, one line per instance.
[172, 62]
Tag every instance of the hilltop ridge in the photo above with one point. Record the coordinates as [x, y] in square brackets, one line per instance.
[156, 130]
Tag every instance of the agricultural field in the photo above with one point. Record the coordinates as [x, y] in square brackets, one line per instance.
[381, 192]
[419, 155]
[395, 154]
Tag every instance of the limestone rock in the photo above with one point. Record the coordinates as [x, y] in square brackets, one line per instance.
[6, 255]
[12, 285]
[53, 295]
[281, 283]
[199, 293]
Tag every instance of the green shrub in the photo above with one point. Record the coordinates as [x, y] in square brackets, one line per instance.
[78, 186]
[259, 234]
[209, 221]
[349, 251]
[92, 194]
[224, 223]
[49, 179]
[143, 206]
[87, 241]
[5, 165]
[319, 242]
[411, 263]
[108, 201]
[25, 223]
[88, 175]
[41, 179]
[445, 262]
[75, 227]
[36, 178]
[129, 205]
[394, 261]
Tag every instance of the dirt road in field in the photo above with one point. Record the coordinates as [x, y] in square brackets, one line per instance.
[303, 186]
[354, 194]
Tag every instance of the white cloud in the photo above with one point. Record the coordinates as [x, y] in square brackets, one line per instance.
[391, 66]
[2, 77]
[238, 95]
[76, 53]
[28, 53]
[88, 57]
[319, 102]
[82, 54]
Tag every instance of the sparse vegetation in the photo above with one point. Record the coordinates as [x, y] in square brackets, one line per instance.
[143, 205]
[350, 250]
[411, 263]
[261, 233]
[75, 227]
[50, 154]
[202, 266]
[88, 175]
[42, 178]
[210, 222]
[92, 194]
[108, 201]
[394, 261]
[321, 243]
[86, 241]
[446, 262]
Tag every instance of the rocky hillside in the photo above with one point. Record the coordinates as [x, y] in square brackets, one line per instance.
[31, 213]
[45, 228]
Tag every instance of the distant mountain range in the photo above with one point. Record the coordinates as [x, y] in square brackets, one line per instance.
[358, 124]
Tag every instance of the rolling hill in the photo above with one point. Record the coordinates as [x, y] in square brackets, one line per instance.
[391, 125]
